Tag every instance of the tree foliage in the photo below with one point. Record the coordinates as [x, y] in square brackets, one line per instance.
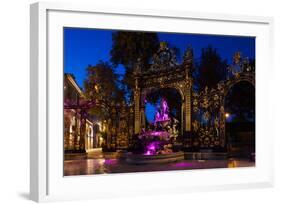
[240, 101]
[127, 47]
[210, 69]
[101, 86]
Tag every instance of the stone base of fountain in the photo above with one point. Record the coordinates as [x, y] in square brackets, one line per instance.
[205, 155]
[152, 159]
[156, 144]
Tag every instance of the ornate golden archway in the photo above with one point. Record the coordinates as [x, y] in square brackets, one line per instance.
[203, 114]
[208, 112]
[164, 72]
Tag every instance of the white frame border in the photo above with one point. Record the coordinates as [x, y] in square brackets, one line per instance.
[39, 88]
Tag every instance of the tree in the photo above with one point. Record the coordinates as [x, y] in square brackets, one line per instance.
[211, 69]
[127, 47]
[101, 86]
[240, 101]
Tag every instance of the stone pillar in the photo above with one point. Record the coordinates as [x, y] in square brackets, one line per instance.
[113, 129]
[108, 131]
[131, 124]
[222, 126]
[67, 137]
[187, 109]
[142, 115]
[86, 136]
[82, 140]
[76, 132]
[137, 110]
[188, 65]
[182, 116]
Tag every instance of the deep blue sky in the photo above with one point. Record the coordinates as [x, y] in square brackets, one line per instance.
[88, 46]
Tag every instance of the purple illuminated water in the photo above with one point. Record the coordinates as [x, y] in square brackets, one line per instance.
[156, 140]
[110, 161]
[151, 148]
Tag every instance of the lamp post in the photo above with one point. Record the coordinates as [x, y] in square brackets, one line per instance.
[227, 115]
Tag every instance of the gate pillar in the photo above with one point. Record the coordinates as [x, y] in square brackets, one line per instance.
[137, 110]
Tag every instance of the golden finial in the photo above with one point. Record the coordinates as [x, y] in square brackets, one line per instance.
[163, 45]
[237, 57]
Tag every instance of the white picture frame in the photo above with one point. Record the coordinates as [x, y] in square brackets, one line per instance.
[46, 151]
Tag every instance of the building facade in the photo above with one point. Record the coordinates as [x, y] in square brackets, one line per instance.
[81, 133]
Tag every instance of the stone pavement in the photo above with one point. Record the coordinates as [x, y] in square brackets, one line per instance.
[105, 163]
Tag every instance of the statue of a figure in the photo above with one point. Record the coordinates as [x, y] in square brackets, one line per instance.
[157, 116]
[237, 65]
[216, 125]
[195, 125]
[237, 57]
[162, 113]
[175, 125]
[164, 110]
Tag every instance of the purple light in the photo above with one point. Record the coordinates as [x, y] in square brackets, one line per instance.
[161, 134]
[110, 161]
[163, 113]
[151, 148]
[182, 164]
[157, 141]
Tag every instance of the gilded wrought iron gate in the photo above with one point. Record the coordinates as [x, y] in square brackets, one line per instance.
[208, 111]
[208, 119]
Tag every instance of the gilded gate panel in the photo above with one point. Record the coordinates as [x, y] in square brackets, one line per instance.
[208, 112]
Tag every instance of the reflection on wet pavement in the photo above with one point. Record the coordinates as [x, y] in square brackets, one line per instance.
[105, 166]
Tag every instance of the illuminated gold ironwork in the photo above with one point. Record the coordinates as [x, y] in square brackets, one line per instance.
[208, 114]
[164, 72]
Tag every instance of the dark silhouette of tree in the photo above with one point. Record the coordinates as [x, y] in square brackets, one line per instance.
[101, 86]
[252, 62]
[240, 101]
[127, 47]
[210, 69]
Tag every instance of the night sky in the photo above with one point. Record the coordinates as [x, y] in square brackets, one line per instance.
[83, 47]
[88, 46]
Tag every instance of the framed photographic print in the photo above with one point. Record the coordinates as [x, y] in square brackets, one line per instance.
[127, 102]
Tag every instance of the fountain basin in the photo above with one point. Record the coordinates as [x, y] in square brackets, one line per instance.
[162, 135]
[152, 159]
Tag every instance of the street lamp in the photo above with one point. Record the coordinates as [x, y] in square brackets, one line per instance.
[227, 115]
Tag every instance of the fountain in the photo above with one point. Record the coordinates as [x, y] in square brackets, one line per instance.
[157, 141]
